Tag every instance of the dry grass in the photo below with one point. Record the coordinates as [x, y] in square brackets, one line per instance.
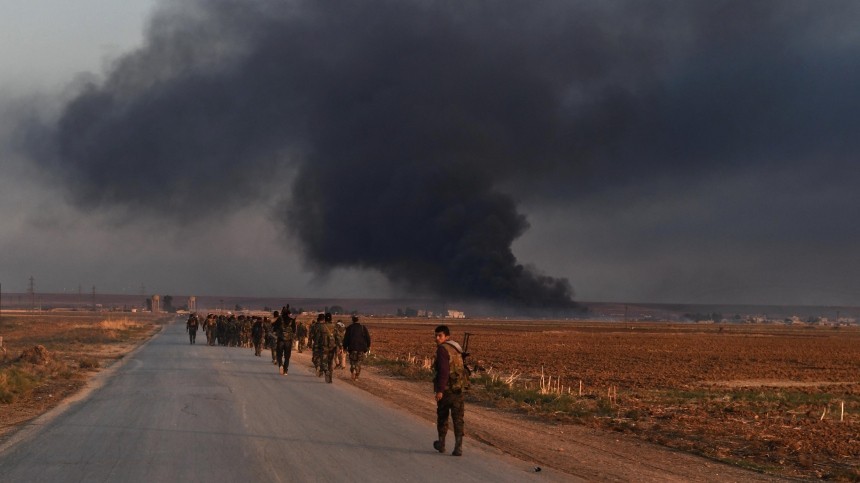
[70, 346]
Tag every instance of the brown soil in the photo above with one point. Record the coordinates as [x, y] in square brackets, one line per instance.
[784, 400]
[589, 453]
[763, 397]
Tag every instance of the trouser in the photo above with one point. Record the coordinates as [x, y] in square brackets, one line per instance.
[355, 360]
[284, 350]
[326, 363]
[315, 358]
[258, 343]
[454, 405]
[192, 336]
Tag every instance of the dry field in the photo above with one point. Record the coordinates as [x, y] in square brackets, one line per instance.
[50, 355]
[779, 399]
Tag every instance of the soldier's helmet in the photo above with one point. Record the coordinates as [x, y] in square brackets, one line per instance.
[320, 316]
[355, 318]
[275, 314]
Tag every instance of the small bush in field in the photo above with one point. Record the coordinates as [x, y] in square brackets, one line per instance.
[88, 363]
[15, 382]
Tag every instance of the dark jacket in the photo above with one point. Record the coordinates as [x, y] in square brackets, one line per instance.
[442, 368]
[357, 338]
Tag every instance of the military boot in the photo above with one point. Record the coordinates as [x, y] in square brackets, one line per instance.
[439, 444]
[328, 377]
[458, 445]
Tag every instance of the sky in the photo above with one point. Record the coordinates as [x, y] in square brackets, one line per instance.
[530, 153]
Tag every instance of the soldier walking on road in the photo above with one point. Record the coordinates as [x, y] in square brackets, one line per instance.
[302, 336]
[312, 342]
[191, 327]
[257, 335]
[326, 346]
[269, 339]
[285, 332]
[210, 329]
[448, 384]
[340, 355]
[356, 342]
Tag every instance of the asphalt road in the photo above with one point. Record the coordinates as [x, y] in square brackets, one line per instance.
[179, 412]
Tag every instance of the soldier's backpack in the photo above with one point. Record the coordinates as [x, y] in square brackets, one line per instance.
[458, 377]
[326, 337]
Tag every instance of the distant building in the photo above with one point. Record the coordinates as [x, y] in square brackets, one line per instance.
[456, 314]
[156, 304]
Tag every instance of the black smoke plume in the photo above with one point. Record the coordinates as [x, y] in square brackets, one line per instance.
[413, 128]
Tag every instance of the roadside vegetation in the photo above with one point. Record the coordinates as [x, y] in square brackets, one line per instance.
[49, 355]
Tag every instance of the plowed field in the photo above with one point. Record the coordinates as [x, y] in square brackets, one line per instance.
[781, 399]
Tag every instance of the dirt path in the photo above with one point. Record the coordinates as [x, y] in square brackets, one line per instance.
[577, 450]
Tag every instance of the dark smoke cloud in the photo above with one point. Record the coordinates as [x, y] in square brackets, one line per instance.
[411, 128]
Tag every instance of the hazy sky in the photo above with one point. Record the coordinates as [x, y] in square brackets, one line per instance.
[689, 152]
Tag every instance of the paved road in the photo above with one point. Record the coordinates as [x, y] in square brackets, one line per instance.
[177, 412]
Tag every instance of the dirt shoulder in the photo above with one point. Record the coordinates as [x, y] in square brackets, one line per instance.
[588, 453]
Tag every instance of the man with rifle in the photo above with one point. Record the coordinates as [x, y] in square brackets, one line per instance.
[450, 382]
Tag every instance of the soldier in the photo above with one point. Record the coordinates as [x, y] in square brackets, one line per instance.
[284, 328]
[356, 342]
[339, 357]
[209, 328]
[245, 327]
[270, 339]
[257, 335]
[448, 384]
[222, 330]
[191, 327]
[314, 332]
[301, 335]
[325, 345]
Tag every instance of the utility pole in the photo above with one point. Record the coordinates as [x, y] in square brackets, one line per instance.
[94, 298]
[31, 291]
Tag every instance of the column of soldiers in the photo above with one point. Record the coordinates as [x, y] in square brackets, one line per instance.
[330, 343]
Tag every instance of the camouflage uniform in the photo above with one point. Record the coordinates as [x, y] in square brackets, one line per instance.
[270, 339]
[302, 336]
[340, 356]
[257, 335]
[191, 328]
[314, 333]
[245, 327]
[325, 345]
[210, 328]
[285, 328]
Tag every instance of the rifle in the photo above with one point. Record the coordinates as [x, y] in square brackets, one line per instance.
[465, 354]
